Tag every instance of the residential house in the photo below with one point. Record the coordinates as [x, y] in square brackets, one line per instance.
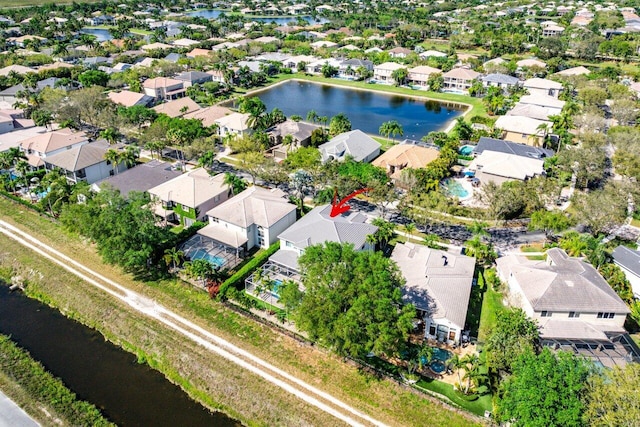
[140, 178]
[432, 54]
[294, 61]
[355, 144]
[155, 46]
[552, 30]
[18, 69]
[574, 306]
[315, 67]
[629, 262]
[198, 52]
[188, 197]
[164, 88]
[300, 133]
[419, 76]
[14, 138]
[554, 105]
[522, 129]
[503, 81]
[498, 167]
[255, 217]
[38, 147]
[217, 76]
[208, 115]
[405, 156]
[349, 67]
[542, 87]
[326, 44]
[575, 71]
[177, 107]
[234, 124]
[508, 147]
[399, 52]
[10, 94]
[84, 162]
[531, 63]
[190, 78]
[459, 79]
[438, 284]
[184, 43]
[100, 20]
[318, 227]
[128, 98]
[383, 73]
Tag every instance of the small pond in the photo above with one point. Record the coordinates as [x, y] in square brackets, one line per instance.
[366, 110]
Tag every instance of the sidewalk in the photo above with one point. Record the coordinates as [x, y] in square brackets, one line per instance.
[11, 415]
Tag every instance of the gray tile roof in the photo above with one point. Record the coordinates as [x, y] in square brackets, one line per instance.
[141, 178]
[502, 146]
[438, 282]
[500, 78]
[80, 156]
[355, 143]
[566, 284]
[575, 329]
[318, 227]
[627, 258]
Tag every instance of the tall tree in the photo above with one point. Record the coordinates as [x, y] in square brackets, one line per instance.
[391, 129]
[339, 124]
[513, 335]
[545, 390]
[613, 398]
[352, 301]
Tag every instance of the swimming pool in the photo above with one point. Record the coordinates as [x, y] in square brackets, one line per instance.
[276, 285]
[202, 254]
[466, 150]
[453, 188]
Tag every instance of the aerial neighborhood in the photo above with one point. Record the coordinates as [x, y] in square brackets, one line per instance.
[442, 194]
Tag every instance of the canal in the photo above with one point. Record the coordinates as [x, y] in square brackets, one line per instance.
[366, 110]
[127, 393]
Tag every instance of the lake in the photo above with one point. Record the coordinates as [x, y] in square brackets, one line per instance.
[101, 34]
[280, 20]
[366, 110]
[128, 393]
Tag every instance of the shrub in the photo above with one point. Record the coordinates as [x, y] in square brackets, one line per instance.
[238, 278]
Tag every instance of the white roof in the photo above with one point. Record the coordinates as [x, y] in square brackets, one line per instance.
[542, 101]
[531, 63]
[507, 165]
[538, 83]
[235, 121]
[520, 124]
[191, 188]
[255, 205]
[389, 66]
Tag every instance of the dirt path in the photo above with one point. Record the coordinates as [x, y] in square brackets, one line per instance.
[212, 342]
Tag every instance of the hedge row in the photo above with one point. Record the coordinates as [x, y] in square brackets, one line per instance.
[18, 365]
[23, 202]
[238, 278]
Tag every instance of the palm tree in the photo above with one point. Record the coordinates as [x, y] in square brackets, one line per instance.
[112, 156]
[410, 228]
[478, 228]
[129, 156]
[111, 134]
[235, 183]
[199, 269]
[312, 116]
[457, 363]
[391, 128]
[399, 76]
[173, 257]
[207, 159]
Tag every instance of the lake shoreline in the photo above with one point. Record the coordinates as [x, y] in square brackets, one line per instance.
[466, 108]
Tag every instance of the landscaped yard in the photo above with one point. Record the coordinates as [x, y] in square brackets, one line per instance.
[534, 247]
[491, 304]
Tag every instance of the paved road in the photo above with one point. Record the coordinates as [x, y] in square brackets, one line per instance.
[11, 415]
[210, 341]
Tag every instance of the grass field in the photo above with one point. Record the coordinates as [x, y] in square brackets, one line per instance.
[26, 3]
[218, 385]
[491, 304]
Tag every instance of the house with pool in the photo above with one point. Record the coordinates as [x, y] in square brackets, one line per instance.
[438, 284]
[316, 227]
[574, 306]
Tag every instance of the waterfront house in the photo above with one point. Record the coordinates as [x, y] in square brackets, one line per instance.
[499, 167]
[574, 306]
[459, 79]
[383, 73]
[355, 144]
[405, 156]
[503, 81]
[84, 162]
[508, 147]
[255, 217]
[164, 88]
[300, 133]
[438, 284]
[208, 115]
[419, 76]
[190, 78]
[188, 197]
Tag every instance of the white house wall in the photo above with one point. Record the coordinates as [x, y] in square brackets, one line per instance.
[633, 279]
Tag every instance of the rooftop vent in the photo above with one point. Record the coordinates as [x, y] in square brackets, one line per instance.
[570, 283]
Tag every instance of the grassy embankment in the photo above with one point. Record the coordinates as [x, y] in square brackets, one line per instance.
[39, 393]
[215, 383]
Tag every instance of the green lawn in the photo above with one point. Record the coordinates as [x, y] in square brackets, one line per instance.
[491, 304]
[478, 406]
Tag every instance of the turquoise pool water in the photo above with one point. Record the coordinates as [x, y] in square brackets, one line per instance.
[202, 254]
[466, 150]
[453, 188]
